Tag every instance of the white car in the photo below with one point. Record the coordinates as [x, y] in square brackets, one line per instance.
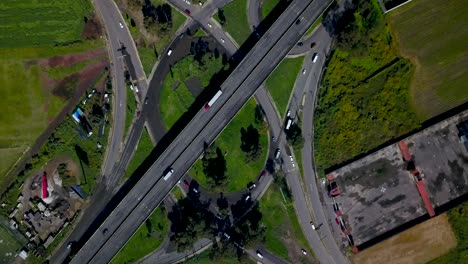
[187, 1]
[304, 71]
[222, 40]
[120, 24]
[312, 225]
[259, 254]
[209, 25]
[292, 161]
[303, 251]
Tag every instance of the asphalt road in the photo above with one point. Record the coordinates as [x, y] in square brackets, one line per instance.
[310, 178]
[305, 86]
[142, 199]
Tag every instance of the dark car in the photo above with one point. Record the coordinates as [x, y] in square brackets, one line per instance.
[186, 183]
[187, 11]
[300, 44]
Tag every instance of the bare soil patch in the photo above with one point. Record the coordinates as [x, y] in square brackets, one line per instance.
[68, 60]
[419, 244]
[93, 28]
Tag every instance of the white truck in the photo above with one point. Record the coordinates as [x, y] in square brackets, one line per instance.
[213, 100]
[168, 174]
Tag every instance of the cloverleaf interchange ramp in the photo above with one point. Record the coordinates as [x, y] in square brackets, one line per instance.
[148, 193]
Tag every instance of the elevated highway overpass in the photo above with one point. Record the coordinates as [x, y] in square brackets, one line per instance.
[151, 189]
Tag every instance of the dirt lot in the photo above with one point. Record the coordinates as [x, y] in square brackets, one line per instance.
[418, 244]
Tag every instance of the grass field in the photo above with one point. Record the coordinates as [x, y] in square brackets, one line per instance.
[239, 172]
[267, 6]
[281, 82]
[458, 218]
[204, 258]
[433, 34]
[131, 110]
[364, 100]
[33, 23]
[9, 244]
[150, 44]
[416, 245]
[314, 26]
[145, 146]
[38, 104]
[284, 235]
[146, 239]
[236, 24]
[177, 97]
[177, 192]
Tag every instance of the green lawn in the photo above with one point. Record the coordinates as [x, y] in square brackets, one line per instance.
[148, 59]
[145, 146]
[281, 223]
[10, 243]
[131, 110]
[433, 35]
[204, 258]
[281, 82]
[239, 173]
[458, 220]
[236, 24]
[268, 6]
[177, 97]
[146, 239]
[177, 192]
[29, 23]
[364, 100]
[314, 26]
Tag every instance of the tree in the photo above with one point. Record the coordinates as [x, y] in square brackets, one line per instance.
[294, 135]
[190, 221]
[214, 166]
[221, 16]
[250, 143]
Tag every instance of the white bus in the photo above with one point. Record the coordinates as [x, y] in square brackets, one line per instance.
[168, 174]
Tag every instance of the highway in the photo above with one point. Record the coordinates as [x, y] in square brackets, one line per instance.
[186, 147]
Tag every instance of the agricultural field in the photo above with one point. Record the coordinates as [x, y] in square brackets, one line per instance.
[9, 243]
[365, 99]
[235, 20]
[151, 38]
[433, 35]
[281, 81]
[457, 218]
[42, 68]
[147, 238]
[416, 245]
[284, 236]
[29, 23]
